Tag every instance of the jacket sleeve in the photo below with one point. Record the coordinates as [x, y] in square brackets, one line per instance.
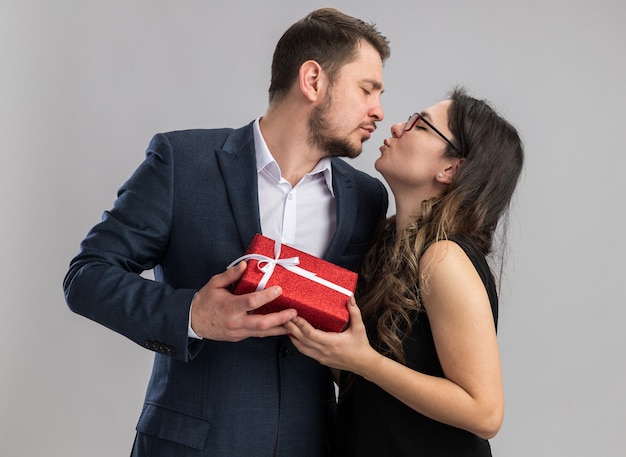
[104, 281]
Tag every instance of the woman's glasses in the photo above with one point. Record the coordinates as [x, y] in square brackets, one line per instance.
[416, 117]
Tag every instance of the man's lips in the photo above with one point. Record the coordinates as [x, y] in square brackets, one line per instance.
[368, 130]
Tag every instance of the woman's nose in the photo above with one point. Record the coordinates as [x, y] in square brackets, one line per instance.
[397, 130]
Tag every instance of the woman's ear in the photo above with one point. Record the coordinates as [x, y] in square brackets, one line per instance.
[311, 79]
[446, 176]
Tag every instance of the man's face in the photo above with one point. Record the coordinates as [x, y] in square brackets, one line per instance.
[347, 115]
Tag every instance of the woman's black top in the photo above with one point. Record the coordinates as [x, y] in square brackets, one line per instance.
[373, 423]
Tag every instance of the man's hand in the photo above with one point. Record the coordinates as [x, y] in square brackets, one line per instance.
[217, 314]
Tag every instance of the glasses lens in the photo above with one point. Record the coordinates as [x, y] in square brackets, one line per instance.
[413, 118]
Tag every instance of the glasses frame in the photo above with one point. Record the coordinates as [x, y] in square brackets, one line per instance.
[416, 117]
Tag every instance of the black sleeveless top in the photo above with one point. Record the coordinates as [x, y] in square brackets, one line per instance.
[371, 422]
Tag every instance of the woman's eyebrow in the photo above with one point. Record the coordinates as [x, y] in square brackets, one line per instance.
[427, 115]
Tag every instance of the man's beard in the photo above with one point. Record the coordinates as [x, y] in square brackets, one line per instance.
[318, 137]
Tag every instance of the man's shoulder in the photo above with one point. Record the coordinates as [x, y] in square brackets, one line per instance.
[205, 138]
[197, 134]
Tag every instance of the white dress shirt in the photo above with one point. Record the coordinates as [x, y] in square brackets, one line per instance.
[303, 216]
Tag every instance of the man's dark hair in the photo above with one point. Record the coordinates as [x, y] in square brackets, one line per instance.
[329, 37]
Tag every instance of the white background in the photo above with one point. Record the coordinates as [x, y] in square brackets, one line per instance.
[84, 86]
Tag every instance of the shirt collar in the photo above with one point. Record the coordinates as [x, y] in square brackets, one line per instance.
[265, 160]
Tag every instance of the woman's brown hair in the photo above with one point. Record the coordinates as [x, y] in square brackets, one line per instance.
[472, 206]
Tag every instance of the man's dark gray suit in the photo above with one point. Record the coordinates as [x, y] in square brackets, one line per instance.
[188, 211]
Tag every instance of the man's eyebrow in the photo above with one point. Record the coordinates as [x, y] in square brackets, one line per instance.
[375, 84]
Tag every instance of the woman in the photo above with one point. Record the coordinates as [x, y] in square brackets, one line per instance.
[420, 359]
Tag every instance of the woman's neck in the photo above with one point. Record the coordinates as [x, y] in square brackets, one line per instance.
[407, 210]
[409, 204]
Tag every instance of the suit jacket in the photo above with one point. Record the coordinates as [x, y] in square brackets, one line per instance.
[189, 210]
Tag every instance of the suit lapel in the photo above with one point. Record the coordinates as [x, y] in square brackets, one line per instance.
[345, 193]
[237, 161]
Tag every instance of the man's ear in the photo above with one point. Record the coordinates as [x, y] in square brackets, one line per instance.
[312, 79]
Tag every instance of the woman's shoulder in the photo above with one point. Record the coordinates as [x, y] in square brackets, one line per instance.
[455, 248]
[447, 250]
[450, 261]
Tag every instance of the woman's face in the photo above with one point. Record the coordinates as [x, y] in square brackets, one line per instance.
[415, 159]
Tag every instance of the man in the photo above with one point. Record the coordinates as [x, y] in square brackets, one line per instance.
[227, 382]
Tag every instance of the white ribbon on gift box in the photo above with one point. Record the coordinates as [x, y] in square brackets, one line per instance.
[267, 265]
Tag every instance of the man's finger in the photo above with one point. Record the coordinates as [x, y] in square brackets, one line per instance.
[272, 323]
[229, 276]
[254, 300]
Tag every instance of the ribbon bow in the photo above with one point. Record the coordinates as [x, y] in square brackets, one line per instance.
[267, 265]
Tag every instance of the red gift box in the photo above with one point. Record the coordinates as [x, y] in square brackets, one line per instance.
[317, 289]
